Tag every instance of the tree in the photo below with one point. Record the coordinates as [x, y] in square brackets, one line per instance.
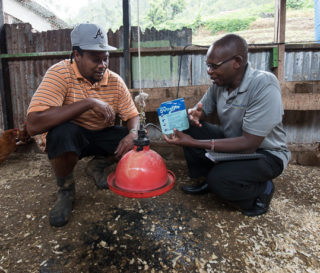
[162, 11]
[177, 7]
[107, 14]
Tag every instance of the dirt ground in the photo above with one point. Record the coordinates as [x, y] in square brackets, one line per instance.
[174, 232]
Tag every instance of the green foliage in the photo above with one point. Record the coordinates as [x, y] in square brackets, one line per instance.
[217, 6]
[215, 15]
[228, 24]
[108, 15]
[196, 14]
[162, 11]
[295, 4]
[177, 6]
[309, 4]
[198, 22]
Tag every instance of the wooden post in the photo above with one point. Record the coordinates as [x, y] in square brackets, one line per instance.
[126, 41]
[2, 49]
[279, 36]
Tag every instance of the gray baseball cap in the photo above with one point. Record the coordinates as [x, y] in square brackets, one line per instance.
[90, 37]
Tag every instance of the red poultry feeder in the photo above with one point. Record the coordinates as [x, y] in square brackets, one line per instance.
[141, 173]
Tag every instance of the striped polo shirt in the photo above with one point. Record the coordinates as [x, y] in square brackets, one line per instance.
[63, 85]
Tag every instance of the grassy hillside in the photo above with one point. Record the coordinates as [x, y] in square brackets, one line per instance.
[299, 28]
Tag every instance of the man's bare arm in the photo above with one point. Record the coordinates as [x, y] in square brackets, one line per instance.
[247, 143]
[42, 121]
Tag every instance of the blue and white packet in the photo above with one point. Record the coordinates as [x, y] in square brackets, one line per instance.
[173, 114]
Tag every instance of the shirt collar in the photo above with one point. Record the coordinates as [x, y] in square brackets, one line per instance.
[243, 87]
[103, 82]
[246, 79]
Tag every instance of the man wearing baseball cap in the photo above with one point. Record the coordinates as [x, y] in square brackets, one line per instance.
[75, 106]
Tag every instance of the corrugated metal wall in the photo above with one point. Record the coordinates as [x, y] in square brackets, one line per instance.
[157, 71]
[1, 116]
[26, 75]
[302, 66]
[302, 126]
[161, 71]
[259, 60]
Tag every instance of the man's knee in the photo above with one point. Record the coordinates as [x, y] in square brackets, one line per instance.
[224, 185]
[230, 187]
[217, 184]
[63, 131]
[67, 137]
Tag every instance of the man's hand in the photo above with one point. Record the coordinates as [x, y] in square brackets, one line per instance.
[195, 115]
[103, 109]
[179, 138]
[42, 121]
[125, 145]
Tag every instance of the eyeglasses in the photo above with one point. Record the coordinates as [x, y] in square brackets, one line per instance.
[216, 66]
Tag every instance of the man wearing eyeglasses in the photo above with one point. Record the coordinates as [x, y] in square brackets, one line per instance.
[249, 107]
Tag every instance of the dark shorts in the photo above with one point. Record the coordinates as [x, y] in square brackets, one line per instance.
[69, 137]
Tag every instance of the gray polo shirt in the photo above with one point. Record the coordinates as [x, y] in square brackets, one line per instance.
[254, 107]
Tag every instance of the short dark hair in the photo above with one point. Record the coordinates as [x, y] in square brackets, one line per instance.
[235, 43]
[72, 52]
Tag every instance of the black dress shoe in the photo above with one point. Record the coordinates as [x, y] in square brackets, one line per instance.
[261, 204]
[196, 189]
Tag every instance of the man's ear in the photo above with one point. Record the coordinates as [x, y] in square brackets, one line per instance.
[76, 54]
[238, 61]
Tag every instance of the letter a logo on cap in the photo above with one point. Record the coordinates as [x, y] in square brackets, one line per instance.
[99, 33]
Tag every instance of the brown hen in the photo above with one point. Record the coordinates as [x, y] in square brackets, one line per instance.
[7, 143]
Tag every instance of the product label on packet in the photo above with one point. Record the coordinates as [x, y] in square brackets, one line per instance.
[173, 114]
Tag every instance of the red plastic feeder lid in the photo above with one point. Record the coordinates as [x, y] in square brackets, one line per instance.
[141, 174]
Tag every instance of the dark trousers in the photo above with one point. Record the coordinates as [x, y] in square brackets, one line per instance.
[69, 137]
[238, 182]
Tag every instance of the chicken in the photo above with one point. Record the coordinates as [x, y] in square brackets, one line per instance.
[8, 141]
[41, 141]
[23, 137]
